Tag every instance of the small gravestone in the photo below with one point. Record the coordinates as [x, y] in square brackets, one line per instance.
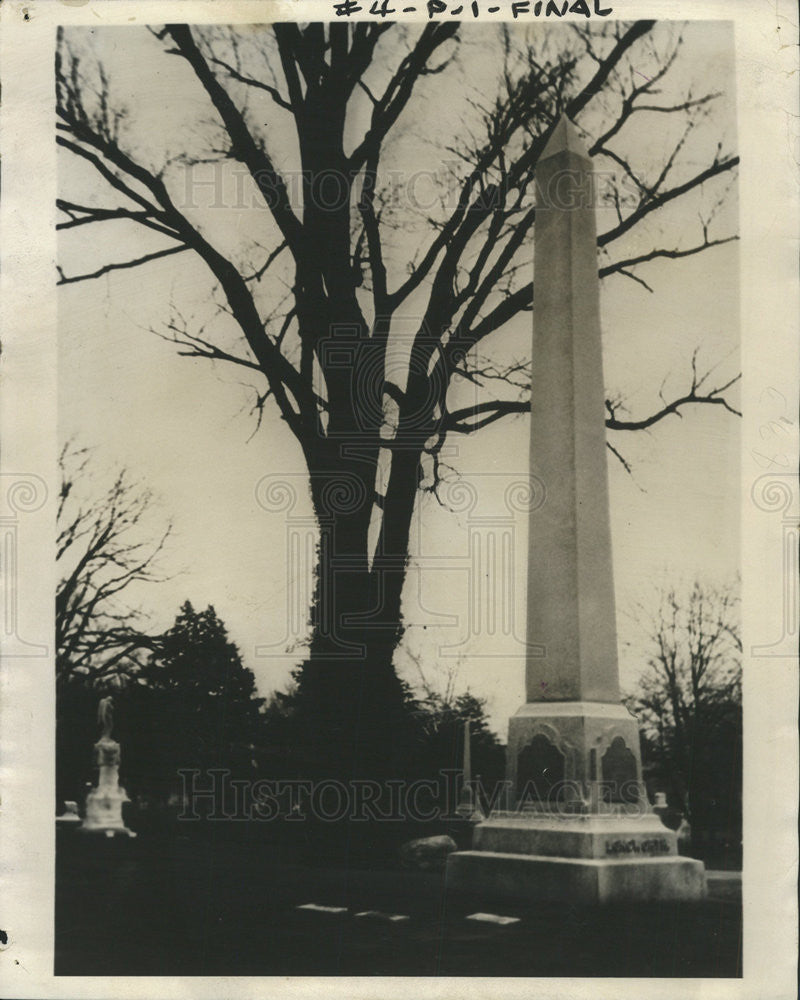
[70, 815]
[684, 835]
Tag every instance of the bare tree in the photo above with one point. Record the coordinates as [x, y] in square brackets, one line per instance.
[688, 700]
[327, 345]
[102, 551]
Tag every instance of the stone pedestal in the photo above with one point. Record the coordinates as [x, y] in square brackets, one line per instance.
[586, 751]
[468, 807]
[104, 802]
[524, 878]
[580, 827]
[590, 858]
[583, 850]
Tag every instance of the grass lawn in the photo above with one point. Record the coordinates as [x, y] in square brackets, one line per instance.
[178, 906]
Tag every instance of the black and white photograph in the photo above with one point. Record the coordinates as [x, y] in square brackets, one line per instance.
[416, 452]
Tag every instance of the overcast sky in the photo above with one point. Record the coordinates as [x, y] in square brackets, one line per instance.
[183, 427]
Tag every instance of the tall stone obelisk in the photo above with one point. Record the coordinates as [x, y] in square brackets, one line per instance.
[570, 577]
[579, 826]
[572, 715]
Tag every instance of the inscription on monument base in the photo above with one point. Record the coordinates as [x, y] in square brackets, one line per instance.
[651, 846]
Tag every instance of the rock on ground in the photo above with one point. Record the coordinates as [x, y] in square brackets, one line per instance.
[427, 852]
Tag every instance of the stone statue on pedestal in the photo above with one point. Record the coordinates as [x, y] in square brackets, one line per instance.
[104, 801]
[105, 716]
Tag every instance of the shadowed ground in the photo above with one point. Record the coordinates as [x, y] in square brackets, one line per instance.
[178, 907]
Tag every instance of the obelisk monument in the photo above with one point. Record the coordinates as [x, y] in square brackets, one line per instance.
[578, 824]
[469, 807]
[572, 690]
[570, 576]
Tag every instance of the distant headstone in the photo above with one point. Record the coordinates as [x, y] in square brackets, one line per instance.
[70, 815]
[684, 834]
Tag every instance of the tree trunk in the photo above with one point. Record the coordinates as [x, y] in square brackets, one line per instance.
[352, 718]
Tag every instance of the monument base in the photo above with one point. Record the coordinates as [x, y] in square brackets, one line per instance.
[104, 803]
[526, 878]
[587, 858]
[104, 813]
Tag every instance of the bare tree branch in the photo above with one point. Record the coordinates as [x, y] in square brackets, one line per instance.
[472, 418]
[624, 265]
[101, 552]
[251, 82]
[388, 107]
[243, 146]
[81, 215]
[106, 268]
[717, 168]
[279, 372]
[472, 270]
